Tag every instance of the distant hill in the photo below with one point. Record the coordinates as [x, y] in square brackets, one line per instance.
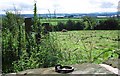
[68, 15]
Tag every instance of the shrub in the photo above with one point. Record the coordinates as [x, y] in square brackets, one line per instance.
[78, 26]
[109, 24]
[70, 25]
[60, 26]
[12, 41]
[21, 50]
[89, 22]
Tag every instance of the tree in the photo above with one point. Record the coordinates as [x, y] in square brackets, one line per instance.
[70, 25]
[60, 26]
[109, 24]
[78, 26]
[89, 22]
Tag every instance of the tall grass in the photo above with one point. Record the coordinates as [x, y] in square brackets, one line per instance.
[87, 46]
[21, 50]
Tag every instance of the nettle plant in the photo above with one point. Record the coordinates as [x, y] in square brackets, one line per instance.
[42, 52]
[13, 40]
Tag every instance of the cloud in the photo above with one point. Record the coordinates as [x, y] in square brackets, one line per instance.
[25, 6]
[12, 4]
[61, 6]
[107, 5]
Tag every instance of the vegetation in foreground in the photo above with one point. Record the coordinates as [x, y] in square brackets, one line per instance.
[21, 50]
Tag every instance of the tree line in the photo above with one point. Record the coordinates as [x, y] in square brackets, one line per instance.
[88, 23]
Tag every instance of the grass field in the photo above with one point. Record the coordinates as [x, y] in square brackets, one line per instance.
[85, 46]
[54, 21]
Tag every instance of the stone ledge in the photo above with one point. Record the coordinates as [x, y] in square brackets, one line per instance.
[85, 69]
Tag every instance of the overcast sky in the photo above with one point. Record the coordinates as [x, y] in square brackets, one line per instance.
[61, 6]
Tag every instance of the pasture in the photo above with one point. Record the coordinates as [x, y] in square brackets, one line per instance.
[54, 21]
[84, 46]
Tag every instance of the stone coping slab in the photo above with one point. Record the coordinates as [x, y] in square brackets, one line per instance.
[85, 69]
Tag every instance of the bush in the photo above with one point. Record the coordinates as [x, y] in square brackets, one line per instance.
[89, 22]
[60, 26]
[109, 24]
[70, 25]
[78, 26]
[12, 40]
[45, 54]
[22, 51]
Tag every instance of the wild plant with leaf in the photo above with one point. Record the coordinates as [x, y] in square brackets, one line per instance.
[41, 49]
[12, 40]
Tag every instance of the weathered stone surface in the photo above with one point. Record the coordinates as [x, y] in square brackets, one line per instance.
[90, 69]
[85, 68]
[113, 62]
[110, 68]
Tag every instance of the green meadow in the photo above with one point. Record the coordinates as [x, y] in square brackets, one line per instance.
[54, 21]
[86, 45]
